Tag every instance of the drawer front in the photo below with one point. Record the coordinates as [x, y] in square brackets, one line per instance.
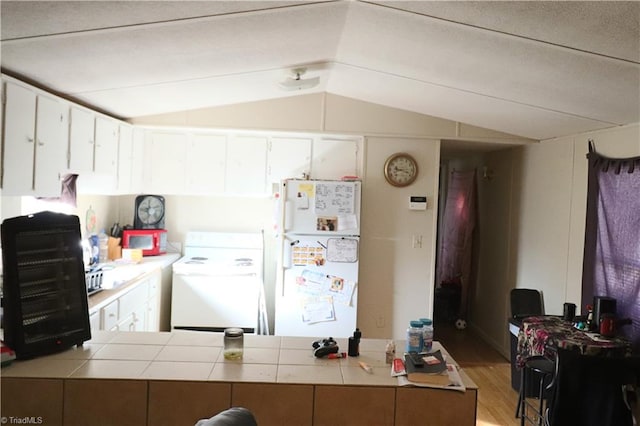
[134, 299]
[110, 315]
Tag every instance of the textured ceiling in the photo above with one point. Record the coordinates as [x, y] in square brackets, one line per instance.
[532, 69]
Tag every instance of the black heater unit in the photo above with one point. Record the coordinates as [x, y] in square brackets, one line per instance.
[45, 295]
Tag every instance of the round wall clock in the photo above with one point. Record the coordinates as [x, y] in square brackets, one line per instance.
[401, 169]
[149, 212]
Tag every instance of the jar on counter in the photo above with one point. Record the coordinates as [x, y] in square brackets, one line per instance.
[233, 343]
[427, 334]
[414, 337]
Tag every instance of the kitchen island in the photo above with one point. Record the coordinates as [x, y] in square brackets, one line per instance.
[175, 378]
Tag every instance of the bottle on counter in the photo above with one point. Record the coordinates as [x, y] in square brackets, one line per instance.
[414, 337]
[103, 247]
[590, 323]
[390, 352]
[354, 343]
[427, 334]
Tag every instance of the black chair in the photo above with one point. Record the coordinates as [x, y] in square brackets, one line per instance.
[591, 390]
[234, 416]
[537, 371]
[526, 302]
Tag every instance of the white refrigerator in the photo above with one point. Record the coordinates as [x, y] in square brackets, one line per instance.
[318, 257]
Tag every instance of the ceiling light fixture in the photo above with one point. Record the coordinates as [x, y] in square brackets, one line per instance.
[295, 82]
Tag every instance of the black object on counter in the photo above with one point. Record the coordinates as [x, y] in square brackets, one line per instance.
[354, 343]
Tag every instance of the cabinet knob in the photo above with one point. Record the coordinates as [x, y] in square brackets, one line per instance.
[40, 143]
[29, 139]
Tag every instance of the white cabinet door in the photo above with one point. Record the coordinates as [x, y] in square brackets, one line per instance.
[166, 162]
[137, 161]
[125, 158]
[246, 165]
[205, 171]
[19, 140]
[106, 150]
[52, 135]
[81, 140]
[334, 158]
[288, 158]
[94, 321]
[152, 320]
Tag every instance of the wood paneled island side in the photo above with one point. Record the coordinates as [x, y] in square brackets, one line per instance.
[176, 378]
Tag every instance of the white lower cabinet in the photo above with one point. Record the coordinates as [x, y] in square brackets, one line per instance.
[136, 309]
[94, 321]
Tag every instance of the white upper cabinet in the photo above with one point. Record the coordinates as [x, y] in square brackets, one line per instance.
[19, 140]
[137, 161]
[288, 158]
[81, 140]
[246, 165]
[125, 158]
[165, 172]
[35, 142]
[52, 135]
[205, 171]
[334, 158]
[106, 150]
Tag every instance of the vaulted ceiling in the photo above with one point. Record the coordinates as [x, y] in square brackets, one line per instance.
[531, 69]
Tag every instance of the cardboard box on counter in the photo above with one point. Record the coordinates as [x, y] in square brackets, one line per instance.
[114, 251]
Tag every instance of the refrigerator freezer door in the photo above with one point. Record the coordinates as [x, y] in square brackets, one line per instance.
[321, 207]
[318, 295]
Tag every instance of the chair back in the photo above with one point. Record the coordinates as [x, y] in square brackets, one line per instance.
[590, 390]
[526, 302]
[234, 416]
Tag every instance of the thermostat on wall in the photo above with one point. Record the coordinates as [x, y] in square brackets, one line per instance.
[417, 202]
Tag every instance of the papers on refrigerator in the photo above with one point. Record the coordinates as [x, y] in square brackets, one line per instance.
[317, 309]
[312, 283]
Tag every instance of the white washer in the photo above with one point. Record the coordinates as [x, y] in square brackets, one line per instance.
[218, 282]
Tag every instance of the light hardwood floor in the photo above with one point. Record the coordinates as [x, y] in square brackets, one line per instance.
[489, 369]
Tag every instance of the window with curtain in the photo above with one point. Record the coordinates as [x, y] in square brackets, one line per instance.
[612, 237]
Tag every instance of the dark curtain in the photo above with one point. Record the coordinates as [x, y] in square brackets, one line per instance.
[459, 219]
[612, 237]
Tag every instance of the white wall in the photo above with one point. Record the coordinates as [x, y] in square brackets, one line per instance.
[396, 278]
[532, 224]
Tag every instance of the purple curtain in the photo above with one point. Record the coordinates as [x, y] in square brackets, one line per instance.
[612, 239]
[459, 219]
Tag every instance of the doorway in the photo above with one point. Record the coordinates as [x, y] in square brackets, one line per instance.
[457, 219]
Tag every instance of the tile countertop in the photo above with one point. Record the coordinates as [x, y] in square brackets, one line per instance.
[124, 275]
[191, 355]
